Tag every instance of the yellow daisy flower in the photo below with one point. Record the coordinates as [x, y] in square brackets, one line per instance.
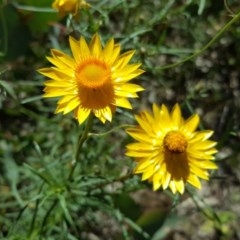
[169, 151]
[69, 6]
[95, 80]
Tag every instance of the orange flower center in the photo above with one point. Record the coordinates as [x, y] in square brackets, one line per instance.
[175, 142]
[95, 87]
[92, 73]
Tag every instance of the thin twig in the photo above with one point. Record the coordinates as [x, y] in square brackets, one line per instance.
[81, 140]
[203, 49]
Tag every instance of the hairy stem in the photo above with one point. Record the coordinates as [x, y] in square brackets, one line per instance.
[81, 140]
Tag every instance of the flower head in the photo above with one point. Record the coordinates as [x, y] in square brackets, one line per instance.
[169, 151]
[69, 6]
[95, 80]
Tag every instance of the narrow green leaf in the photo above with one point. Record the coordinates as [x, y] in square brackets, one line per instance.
[9, 89]
[40, 175]
[201, 6]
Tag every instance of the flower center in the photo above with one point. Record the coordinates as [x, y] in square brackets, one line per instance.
[95, 87]
[92, 73]
[175, 142]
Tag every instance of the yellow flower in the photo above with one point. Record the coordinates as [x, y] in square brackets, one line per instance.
[169, 151]
[69, 6]
[95, 80]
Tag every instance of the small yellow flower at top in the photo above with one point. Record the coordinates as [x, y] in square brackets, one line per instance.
[95, 80]
[169, 152]
[65, 7]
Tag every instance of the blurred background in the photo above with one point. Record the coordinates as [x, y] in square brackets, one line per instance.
[36, 144]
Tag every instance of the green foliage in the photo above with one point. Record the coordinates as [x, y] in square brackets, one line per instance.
[40, 199]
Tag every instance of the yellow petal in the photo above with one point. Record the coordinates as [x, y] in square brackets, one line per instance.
[96, 46]
[130, 68]
[107, 51]
[66, 99]
[54, 73]
[121, 76]
[124, 59]
[123, 102]
[156, 111]
[71, 105]
[142, 165]
[68, 61]
[165, 117]
[103, 114]
[82, 114]
[53, 92]
[122, 94]
[107, 113]
[191, 124]
[84, 49]
[48, 72]
[60, 108]
[166, 180]
[201, 136]
[157, 180]
[148, 172]
[75, 48]
[138, 146]
[54, 83]
[146, 125]
[201, 155]
[57, 63]
[208, 165]
[193, 179]
[114, 55]
[179, 186]
[203, 145]
[199, 172]
[139, 136]
[173, 187]
[156, 185]
[129, 88]
[176, 117]
[132, 153]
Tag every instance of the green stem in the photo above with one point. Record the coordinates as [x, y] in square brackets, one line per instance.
[81, 140]
[209, 44]
[70, 22]
[70, 26]
[112, 130]
[206, 210]
[109, 181]
[44, 222]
